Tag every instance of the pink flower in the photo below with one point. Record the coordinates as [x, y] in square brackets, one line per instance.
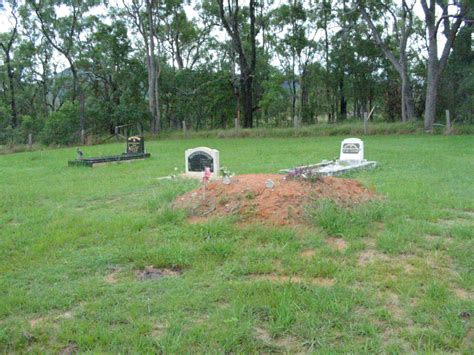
[207, 175]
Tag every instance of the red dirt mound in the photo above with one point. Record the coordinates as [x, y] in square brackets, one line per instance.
[248, 196]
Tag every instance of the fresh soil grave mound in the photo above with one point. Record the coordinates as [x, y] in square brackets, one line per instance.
[248, 197]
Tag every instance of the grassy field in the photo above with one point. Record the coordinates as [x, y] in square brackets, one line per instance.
[395, 276]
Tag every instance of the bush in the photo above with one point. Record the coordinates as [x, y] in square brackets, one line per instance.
[62, 126]
[10, 136]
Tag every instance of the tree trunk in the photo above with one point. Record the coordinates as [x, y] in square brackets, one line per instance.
[11, 75]
[343, 101]
[247, 100]
[247, 62]
[12, 91]
[435, 65]
[74, 78]
[399, 64]
[409, 102]
[152, 73]
[431, 94]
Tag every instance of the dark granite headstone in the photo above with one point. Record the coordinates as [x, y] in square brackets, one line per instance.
[135, 145]
[197, 161]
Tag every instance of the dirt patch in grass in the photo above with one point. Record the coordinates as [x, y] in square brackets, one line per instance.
[317, 281]
[463, 294]
[308, 254]
[462, 213]
[112, 277]
[71, 348]
[453, 222]
[433, 238]
[66, 315]
[35, 321]
[152, 273]
[337, 243]
[263, 335]
[394, 306]
[371, 256]
[288, 342]
[283, 204]
[159, 329]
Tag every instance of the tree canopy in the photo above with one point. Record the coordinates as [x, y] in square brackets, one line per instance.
[68, 66]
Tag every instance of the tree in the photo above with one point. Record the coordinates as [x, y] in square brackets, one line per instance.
[402, 30]
[182, 38]
[232, 21]
[63, 33]
[296, 50]
[143, 16]
[435, 66]
[6, 43]
[457, 83]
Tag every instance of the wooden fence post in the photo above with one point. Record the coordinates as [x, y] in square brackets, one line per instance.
[185, 131]
[366, 123]
[30, 140]
[448, 122]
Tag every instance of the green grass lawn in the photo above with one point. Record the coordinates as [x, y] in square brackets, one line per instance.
[73, 239]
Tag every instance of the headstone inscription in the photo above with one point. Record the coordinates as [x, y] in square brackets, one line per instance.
[198, 159]
[135, 145]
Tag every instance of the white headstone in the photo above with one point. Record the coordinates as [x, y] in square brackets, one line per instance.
[352, 150]
[197, 159]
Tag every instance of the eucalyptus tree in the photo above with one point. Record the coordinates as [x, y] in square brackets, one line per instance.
[107, 70]
[186, 45]
[144, 16]
[182, 38]
[451, 20]
[402, 27]
[457, 84]
[64, 32]
[42, 64]
[342, 54]
[7, 42]
[326, 16]
[233, 17]
[296, 49]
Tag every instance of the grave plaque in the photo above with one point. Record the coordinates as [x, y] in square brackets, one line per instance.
[351, 148]
[198, 159]
[135, 145]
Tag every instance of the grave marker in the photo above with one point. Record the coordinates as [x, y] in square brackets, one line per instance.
[197, 159]
[352, 150]
[351, 158]
[135, 150]
[135, 145]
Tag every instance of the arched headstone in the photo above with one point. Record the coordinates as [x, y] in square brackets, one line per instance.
[352, 150]
[197, 159]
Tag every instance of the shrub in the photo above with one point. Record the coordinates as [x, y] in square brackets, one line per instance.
[62, 126]
[10, 136]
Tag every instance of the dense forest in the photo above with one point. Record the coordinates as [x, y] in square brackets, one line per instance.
[68, 66]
